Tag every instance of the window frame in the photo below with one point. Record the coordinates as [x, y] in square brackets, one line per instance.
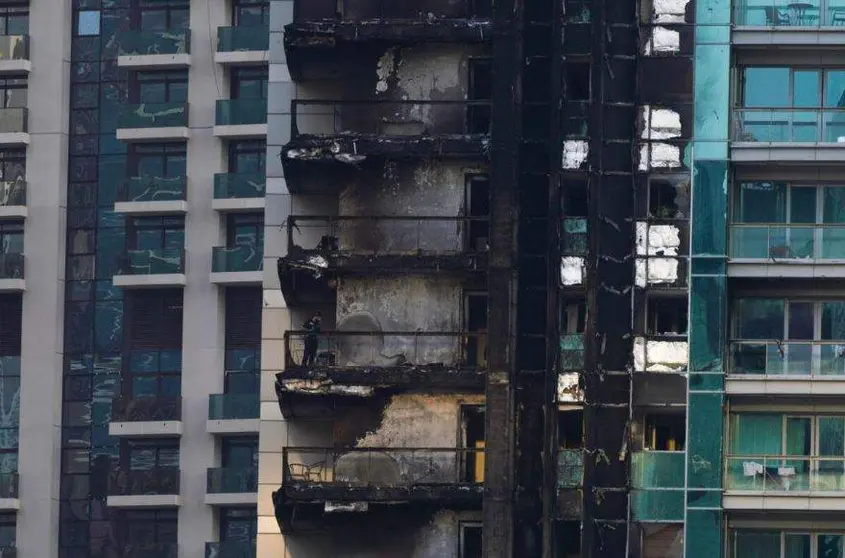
[168, 78]
[247, 148]
[164, 151]
[247, 74]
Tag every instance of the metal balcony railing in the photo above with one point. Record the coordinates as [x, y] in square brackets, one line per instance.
[12, 192]
[788, 358]
[389, 236]
[399, 119]
[153, 188]
[235, 112]
[783, 241]
[790, 125]
[368, 348]
[146, 409]
[134, 42]
[232, 480]
[239, 39]
[784, 473]
[144, 483]
[786, 14]
[233, 406]
[239, 185]
[11, 266]
[152, 262]
[387, 467]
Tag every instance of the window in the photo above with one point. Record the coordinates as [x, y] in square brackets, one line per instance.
[167, 160]
[577, 81]
[668, 197]
[238, 525]
[245, 229]
[247, 157]
[249, 82]
[665, 432]
[154, 321]
[471, 540]
[13, 165]
[10, 325]
[570, 429]
[784, 87]
[243, 340]
[240, 452]
[573, 317]
[250, 13]
[11, 237]
[88, 23]
[568, 535]
[159, 87]
[154, 373]
[7, 529]
[158, 454]
[663, 540]
[666, 315]
[14, 20]
[147, 529]
[13, 92]
[162, 15]
[155, 233]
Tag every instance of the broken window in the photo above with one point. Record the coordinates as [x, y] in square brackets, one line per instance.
[475, 321]
[577, 81]
[662, 540]
[568, 534]
[574, 206]
[470, 544]
[472, 434]
[666, 315]
[477, 203]
[665, 432]
[669, 197]
[573, 316]
[570, 428]
[480, 90]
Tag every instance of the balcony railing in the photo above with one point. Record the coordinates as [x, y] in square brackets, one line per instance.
[12, 192]
[788, 358]
[11, 266]
[386, 467]
[574, 236]
[143, 42]
[786, 241]
[389, 236]
[13, 120]
[789, 14]
[784, 473]
[359, 10]
[153, 115]
[14, 47]
[237, 39]
[657, 482]
[232, 480]
[368, 348]
[9, 486]
[244, 257]
[233, 406]
[144, 483]
[402, 119]
[146, 409]
[239, 186]
[230, 550]
[790, 125]
[570, 468]
[152, 262]
[153, 188]
[235, 112]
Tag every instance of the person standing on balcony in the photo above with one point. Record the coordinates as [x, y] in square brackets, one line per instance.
[312, 331]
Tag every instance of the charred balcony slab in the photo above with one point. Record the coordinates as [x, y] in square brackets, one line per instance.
[350, 365]
[342, 133]
[146, 417]
[366, 479]
[149, 488]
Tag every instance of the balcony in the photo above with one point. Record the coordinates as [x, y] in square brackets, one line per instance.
[153, 122]
[163, 267]
[14, 130]
[150, 488]
[789, 135]
[787, 250]
[233, 413]
[353, 365]
[787, 368]
[366, 479]
[784, 482]
[319, 34]
[242, 45]
[239, 192]
[14, 54]
[657, 482]
[230, 549]
[145, 49]
[13, 199]
[237, 265]
[9, 496]
[783, 22]
[153, 195]
[12, 273]
[146, 417]
[232, 486]
[241, 118]
[337, 134]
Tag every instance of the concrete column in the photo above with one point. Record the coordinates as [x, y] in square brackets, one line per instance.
[203, 327]
[43, 302]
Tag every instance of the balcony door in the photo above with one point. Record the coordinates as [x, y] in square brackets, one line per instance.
[472, 437]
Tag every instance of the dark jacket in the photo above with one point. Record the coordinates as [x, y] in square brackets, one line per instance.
[312, 329]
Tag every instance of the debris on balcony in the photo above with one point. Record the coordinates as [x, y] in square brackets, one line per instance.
[568, 388]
